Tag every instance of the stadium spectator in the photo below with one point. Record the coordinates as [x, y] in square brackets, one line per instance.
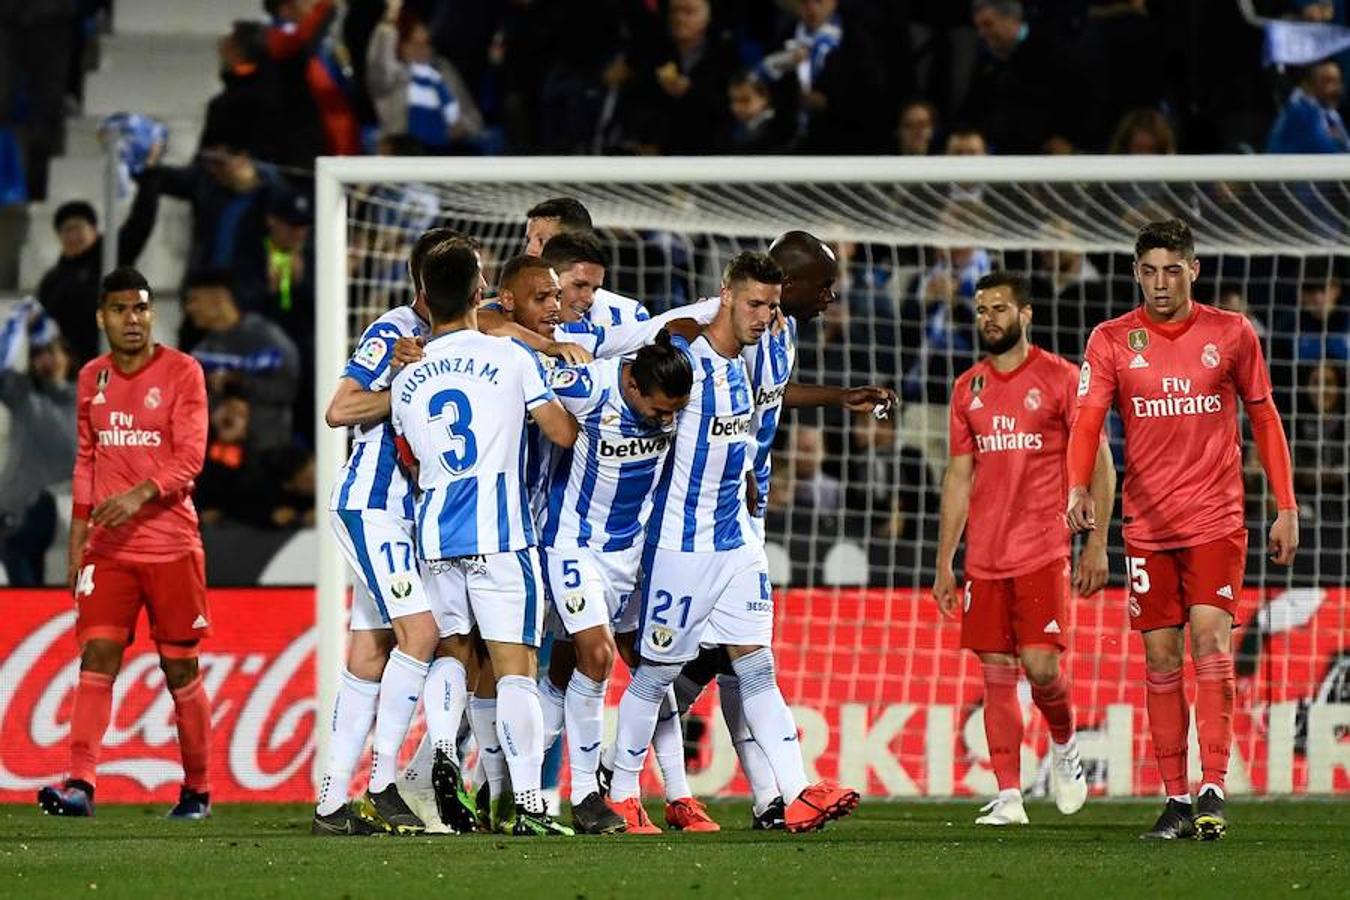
[311, 75]
[813, 488]
[414, 91]
[251, 100]
[1310, 121]
[918, 125]
[1069, 296]
[68, 290]
[246, 351]
[965, 141]
[1143, 132]
[886, 480]
[227, 486]
[1320, 444]
[676, 100]
[289, 499]
[1023, 85]
[756, 128]
[38, 391]
[1234, 299]
[1124, 51]
[1319, 330]
[35, 52]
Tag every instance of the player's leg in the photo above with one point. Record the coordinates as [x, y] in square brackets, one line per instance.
[1211, 577]
[1158, 614]
[767, 808]
[507, 598]
[368, 648]
[1039, 610]
[495, 804]
[107, 602]
[987, 631]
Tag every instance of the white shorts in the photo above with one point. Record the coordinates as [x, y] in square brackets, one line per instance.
[379, 547]
[690, 599]
[501, 593]
[757, 527]
[589, 587]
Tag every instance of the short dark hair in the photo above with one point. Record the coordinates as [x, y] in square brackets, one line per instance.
[519, 265]
[1172, 234]
[569, 212]
[74, 209]
[753, 266]
[425, 241]
[749, 78]
[662, 366]
[565, 250]
[450, 273]
[249, 39]
[1016, 284]
[209, 277]
[1011, 8]
[123, 278]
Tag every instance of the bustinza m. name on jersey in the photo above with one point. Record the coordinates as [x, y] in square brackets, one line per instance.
[371, 478]
[599, 489]
[462, 410]
[699, 502]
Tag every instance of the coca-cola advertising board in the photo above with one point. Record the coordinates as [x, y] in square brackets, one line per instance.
[884, 698]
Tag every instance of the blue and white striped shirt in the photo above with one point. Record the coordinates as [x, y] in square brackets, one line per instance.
[600, 488]
[769, 363]
[371, 478]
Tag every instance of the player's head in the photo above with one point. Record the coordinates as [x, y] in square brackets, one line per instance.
[452, 279]
[752, 287]
[425, 241]
[126, 310]
[208, 299]
[554, 216]
[76, 226]
[810, 270]
[529, 294]
[1165, 266]
[1002, 310]
[657, 382]
[580, 263]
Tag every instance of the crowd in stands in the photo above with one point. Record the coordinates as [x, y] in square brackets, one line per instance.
[908, 77]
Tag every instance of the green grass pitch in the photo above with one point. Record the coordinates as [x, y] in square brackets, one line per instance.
[1273, 849]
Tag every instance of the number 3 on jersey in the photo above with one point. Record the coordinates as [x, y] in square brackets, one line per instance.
[463, 452]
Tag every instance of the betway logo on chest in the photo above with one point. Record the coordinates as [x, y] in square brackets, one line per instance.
[729, 429]
[1006, 437]
[634, 448]
[124, 433]
[1178, 402]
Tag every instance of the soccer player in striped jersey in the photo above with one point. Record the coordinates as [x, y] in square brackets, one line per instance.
[371, 508]
[591, 540]
[460, 415]
[700, 524]
[567, 216]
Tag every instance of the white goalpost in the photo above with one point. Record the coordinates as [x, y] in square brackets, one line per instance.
[853, 528]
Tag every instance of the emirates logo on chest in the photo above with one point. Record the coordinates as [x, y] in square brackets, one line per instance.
[1032, 400]
[152, 398]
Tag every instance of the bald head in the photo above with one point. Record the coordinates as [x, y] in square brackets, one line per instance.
[811, 270]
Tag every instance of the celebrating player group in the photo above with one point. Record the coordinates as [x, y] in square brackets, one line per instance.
[556, 461]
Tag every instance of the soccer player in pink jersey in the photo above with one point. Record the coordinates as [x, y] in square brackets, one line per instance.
[1175, 371]
[1009, 417]
[134, 540]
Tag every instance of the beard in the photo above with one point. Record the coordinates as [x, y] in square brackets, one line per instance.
[1005, 343]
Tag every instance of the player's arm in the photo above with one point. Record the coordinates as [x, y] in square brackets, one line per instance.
[81, 485]
[1273, 449]
[491, 321]
[556, 423]
[956, 485]
[868, 398]
[1093, 569]
[1096, 393]
[354, 404]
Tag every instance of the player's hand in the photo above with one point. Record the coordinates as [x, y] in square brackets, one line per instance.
[1082, 512]
[407, 350]
[1092, 570]
[570, 354]
[944, 591]
[1284, 537]
[119, 509]
[871, 399]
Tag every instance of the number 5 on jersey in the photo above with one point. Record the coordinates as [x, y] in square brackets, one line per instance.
[463, 452]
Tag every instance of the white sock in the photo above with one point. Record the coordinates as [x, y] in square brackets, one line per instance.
[668, 742]
[353, 714]
[400, 689]
[552, 703]
[520, 728]
[444, 700]
[1010, 794]
[416, 775]
[754, 762]
[770, 721]
[483, 720]
[607, 752]
[585, 711]
[1211, 786]
[638, 711]
[1180, 798]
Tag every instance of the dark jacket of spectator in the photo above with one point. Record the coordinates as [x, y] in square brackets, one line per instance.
[308, 80]
[1306, 126]
[257, 357]
[1020, 101]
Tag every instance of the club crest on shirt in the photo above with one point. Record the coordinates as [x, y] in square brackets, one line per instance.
[401, 588]
[1138, 340]
[100, 384]
[1032, 401]
[152, 398]
[1209, 356]
[976, 385]
[574, 602]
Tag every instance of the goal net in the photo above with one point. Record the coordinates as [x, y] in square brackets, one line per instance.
[885, 698]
